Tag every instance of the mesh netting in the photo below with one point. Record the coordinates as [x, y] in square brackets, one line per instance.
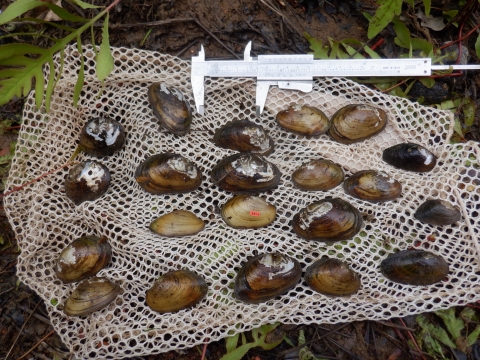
[45, 221]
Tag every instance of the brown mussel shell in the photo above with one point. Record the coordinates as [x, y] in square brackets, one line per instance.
[176, 290]
[414, 267]
[410, 157]
[265, 276]
[82, 258]
[245, 173]
[303, 120]
[332, 277]
[244, 136]
[91, 295]
[438, 212]
[170, 108]
[87, 181]
[328, 220]
[102, 137]
[168, 173]
[248, 212]
[177, 223]
[373, 186]
[318, 175]
[354, 123]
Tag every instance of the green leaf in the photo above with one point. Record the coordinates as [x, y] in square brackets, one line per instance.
[64, 14]
[231, 343]
[457, 127]
[403, 34]
[54, 302]
[423, 45]
[428, 6]
[319, 51]
[84, 5]
[450, 14]
[468, 314]
[11, 50]
[435, 331]
[238, 353]
[383, 16]
[352, 52]
[371, 52]
[105, 63]
[477, 46]
[428, 82]
[426, 341]
[469, 110]
[18, 8]
[472, 338]
[453, 324]
[81, 74]
[411, 3]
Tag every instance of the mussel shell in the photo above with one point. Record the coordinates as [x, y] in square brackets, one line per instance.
[91, 295]
[177, 223]
[328, 220]
[168, 173]
[265, 276]
[244, 136]
[318, 175]
[354, 123]
[414, 267]
[371, 185]
[82, 258]
[438, 212]
[170, 108]
[248, 212]
[176, 290]
[102, 137]
[303, 120]
[332, 277]
[410, 157]
[245, 173]
[87, 181]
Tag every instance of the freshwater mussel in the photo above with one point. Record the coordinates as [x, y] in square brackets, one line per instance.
[303, 120]
[410, 157]
[354, 123]
[438, 213]
[176, 290]
[414, 267]
[372, 185]
[248, 212]
[265, 276]
[177, 223]
[328, 220]
[244, 136]
[168, 173]
[317, 175]
[245, 173]
[87, 181]
[102, 136]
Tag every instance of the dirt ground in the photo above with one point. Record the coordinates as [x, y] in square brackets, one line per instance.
[178, 27]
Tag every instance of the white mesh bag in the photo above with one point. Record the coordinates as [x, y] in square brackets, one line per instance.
[45, 221]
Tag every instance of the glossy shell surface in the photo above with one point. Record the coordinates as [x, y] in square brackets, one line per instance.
[177, 223]
[372, 185]
[410, 157]
[438, 212]
[248, 212]
[102, 137]
[303, 120]
[318, 175]
[87, 181]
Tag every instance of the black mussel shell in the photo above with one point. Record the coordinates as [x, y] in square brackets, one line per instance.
[438, 212]
[303, 120]
[102, 137]
[410, 157]
[371, 185]
[317, 175]
[87, 181]
[414, 267]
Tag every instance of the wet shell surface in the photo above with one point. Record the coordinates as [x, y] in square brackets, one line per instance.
[303, 120]
[332, 277]
[245, 173]
[410, 157]
[91, 295]
[248, 212]
[102, 137]
[264, 277]
[177, 223]
[414, 267]
[87, 181]
[82, 258]
[168, 173]
[170, 108]
[438, 212]
[371, 185]
[318, 175]
[176, 290]
[328, 220]
[354, 123]
[244, 136]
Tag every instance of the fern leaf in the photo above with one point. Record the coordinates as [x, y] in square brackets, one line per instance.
[50, 84]
[105, 63]
[11, 50]
[81, 74]
[18, 8]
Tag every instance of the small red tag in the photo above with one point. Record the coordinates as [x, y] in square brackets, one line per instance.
[254, 213]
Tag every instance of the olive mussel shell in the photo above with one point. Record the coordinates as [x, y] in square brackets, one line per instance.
[265, 276]
[91, 295]
[248, 212]
[244, 136]
[303, 120]
[371, 185]
[87, 181]
[177, 223]
[328, 220]
[318, 175]
[414, 267]
[82, 258]
[170, 108]
[410, 157]
[354, 123]
[245, 173]
[102, 137]
[168, 173]
[437, 212]
[332, 277]
[176, 290]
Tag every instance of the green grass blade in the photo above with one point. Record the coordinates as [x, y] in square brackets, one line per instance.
[81, 74]
[84, 5]
[477, 46]
[428, 6]
[105, 63]
[64, 14]
[18, 8]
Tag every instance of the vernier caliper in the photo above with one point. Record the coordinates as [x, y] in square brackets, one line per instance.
[296, 72]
